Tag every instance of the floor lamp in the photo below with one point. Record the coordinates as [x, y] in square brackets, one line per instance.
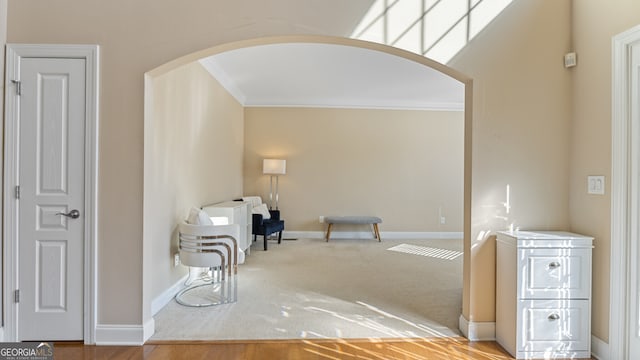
[274, 167]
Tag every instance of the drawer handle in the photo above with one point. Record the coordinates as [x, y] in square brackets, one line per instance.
[554, 316]
[554, 265]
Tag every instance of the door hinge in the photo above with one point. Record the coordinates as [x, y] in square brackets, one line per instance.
[16, 296]
[18, 192]
[18, 85]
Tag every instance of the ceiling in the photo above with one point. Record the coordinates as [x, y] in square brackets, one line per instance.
[327, 75]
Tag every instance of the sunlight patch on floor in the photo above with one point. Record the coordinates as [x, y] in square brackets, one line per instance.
[427, 251]
[380, 321]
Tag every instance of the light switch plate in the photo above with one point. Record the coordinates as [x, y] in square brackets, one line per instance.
[595, 184]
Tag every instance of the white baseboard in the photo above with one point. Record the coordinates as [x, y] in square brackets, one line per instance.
[124, 334]
[477, 331]
[166, 296]
[302, 235]
[149, 328]
[395, 235]
[599, 349]
[427, 235]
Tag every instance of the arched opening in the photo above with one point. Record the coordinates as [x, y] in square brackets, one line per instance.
[163, 210]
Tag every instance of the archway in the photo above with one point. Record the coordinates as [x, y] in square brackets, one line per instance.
[150, 293]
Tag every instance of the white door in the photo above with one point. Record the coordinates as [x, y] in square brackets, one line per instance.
[634, 259]
[51, 199]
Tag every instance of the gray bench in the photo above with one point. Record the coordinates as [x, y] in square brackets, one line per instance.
[373, 220]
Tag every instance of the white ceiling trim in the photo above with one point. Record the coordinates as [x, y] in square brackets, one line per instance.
[427, 107]
[224, 79]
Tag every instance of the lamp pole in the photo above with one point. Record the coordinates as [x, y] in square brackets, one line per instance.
[273, 167]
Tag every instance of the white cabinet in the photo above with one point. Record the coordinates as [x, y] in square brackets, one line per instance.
[238, 212]
[543, 294]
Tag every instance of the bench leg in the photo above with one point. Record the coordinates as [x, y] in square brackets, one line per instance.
[329, 231]
[377, 231]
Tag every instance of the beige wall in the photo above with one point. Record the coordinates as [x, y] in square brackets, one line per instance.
[521, 133]
[594, 24]
[524, 132]
[3, 41]
[193, 157]
[404, 166]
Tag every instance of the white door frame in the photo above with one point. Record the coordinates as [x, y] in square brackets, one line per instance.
[624, 178]
[90, 53]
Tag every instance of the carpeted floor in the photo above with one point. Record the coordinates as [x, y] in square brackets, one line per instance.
[353, 288]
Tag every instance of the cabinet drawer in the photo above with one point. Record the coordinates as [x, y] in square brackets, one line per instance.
[552, 325]
[554, 273]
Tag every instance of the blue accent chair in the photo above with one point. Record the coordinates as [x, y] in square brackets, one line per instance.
[266, 227]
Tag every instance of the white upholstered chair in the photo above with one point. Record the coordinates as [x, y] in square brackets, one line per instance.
[215, 248]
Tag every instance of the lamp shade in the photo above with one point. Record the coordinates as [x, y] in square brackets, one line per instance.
[274, 166]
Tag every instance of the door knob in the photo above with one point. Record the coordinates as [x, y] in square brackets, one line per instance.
[554, 265]
[74, 214]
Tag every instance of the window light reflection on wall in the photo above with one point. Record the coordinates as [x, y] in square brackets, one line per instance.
[437, 29]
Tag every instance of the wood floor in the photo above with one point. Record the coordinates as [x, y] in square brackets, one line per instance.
[413, 349]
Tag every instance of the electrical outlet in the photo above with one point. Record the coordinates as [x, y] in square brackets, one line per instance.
[595, 184]
[570, 60]
[176, 259]
[443, 220]
[321, 219]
